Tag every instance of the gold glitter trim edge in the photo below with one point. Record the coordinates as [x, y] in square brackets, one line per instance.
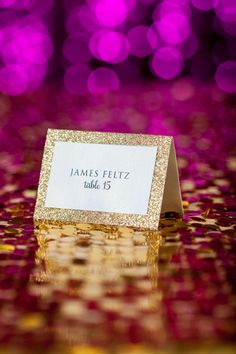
[58, 215]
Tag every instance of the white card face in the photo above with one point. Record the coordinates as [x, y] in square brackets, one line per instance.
[100, 177]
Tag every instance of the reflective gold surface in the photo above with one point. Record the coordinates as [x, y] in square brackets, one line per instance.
[82, 289]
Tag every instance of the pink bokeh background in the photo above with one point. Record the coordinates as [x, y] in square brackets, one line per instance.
[78, 42]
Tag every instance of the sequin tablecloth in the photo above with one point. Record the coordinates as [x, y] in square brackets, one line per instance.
[92, 290]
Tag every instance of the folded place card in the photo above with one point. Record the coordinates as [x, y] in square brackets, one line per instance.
[107, 178]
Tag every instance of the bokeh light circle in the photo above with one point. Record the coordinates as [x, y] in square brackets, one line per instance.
[109, 46]
[25, 50]
[167, 63]
[173, 28]
[111, 13]
[27, 44]
[226, 76]
[167, 7]
[182, 90]
[103, 80]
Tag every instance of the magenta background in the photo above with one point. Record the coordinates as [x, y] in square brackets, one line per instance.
[98, 46]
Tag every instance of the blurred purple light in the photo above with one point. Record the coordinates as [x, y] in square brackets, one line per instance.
[36, 74]
[113, 47]
[109, 46]
[1, 39]
[13, 80]
[167, 63]
[25, 49]
[226, 10]
[131, 4]
[226, 76]
[137, 14]
[103, 80]
[177, 2]
[8, 17]
[229, 27]
[182, 90]
[167, 7]
[173, 28]
[76, 48]
[111, 13]
[26, 44]
[189, 47]
[147, 1]
[83, 16]
[152, 37]
[76, 78]
[38, 7]
[7, 3]
[205, 5]
[118, 32]
[141, 47]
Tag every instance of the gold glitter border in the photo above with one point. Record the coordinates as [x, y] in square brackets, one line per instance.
[148, 221]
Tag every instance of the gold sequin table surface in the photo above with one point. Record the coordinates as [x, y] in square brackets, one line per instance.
[92, 289]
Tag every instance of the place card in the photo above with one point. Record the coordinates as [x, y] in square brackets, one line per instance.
[107, 178]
